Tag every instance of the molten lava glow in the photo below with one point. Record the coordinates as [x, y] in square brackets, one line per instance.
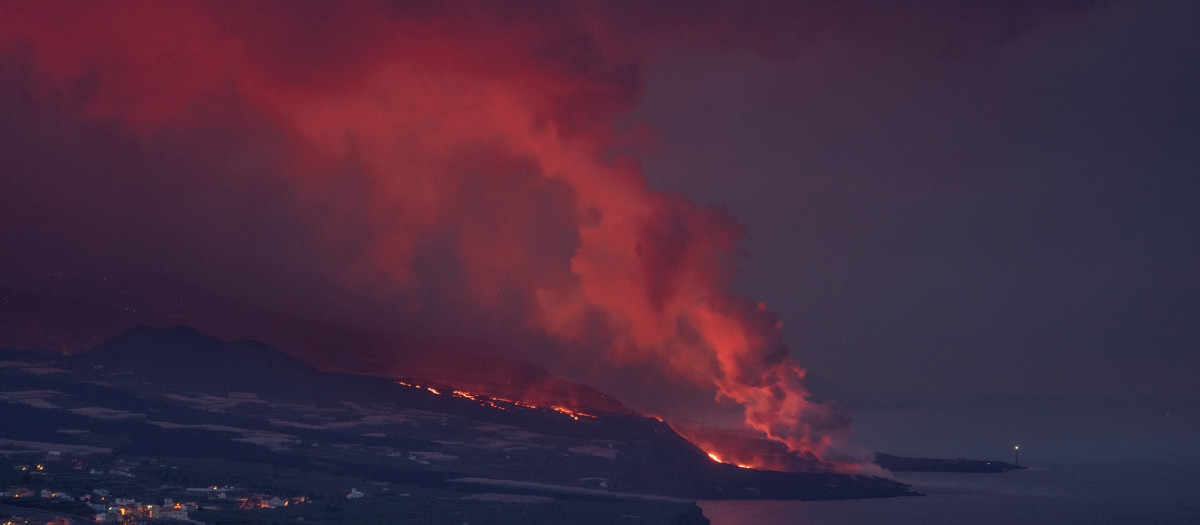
[499, 402]
[718, 459]
[451, 164]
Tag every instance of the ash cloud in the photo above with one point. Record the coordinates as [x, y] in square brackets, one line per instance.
[440, 171]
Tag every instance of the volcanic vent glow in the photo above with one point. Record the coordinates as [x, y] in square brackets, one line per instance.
[446, 166]
[500, 403]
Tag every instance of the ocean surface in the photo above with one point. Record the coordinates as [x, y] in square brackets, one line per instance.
[1095, 494]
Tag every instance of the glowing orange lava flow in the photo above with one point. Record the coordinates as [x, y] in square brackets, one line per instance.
[501, 403]
[718, 459]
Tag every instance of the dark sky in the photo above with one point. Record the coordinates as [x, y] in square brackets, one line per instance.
[1021, 211]
[998, 228]
[975, 220]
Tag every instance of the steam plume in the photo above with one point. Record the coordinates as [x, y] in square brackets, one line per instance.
[452, 164]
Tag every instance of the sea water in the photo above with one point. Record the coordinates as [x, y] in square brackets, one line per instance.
[1094, 494]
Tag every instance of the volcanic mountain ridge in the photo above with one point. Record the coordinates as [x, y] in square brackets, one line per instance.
[179, 393]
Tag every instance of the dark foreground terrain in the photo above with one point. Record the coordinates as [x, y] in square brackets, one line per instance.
[172, 420]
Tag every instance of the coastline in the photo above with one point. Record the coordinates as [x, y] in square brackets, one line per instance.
[1098, 493]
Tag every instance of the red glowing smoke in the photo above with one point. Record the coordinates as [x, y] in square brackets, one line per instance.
[438, 158]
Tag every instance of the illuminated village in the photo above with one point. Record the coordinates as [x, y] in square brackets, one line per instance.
[114, 491]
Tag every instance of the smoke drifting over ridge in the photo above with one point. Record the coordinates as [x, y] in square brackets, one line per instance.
[439, 168]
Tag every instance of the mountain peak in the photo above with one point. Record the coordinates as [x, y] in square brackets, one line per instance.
[145, 335]
[192, 359]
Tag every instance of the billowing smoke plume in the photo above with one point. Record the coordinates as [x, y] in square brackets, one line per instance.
[454, 167]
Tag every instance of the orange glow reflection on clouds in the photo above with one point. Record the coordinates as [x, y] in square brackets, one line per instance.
[460, 127]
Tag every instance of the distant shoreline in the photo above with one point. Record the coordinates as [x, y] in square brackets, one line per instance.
[906, 464]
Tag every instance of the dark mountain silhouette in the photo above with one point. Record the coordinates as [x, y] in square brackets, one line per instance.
[195, 361]
[180, 392]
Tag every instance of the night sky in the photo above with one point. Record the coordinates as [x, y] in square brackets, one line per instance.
[976, 221]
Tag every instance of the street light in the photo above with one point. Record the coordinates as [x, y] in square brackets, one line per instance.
[1017, 455]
